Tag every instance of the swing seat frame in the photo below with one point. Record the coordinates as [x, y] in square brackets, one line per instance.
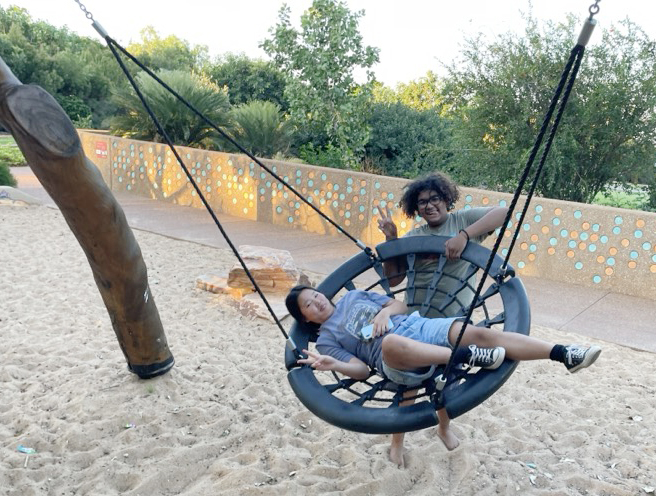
[463, 392]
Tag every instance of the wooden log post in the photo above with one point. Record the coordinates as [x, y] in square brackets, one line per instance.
[52, 148]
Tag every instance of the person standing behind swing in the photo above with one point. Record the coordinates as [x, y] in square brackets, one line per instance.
[433, 198]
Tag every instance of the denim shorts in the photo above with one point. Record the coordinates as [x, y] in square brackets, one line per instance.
[431, 331]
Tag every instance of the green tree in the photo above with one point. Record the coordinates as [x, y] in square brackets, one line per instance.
[319, 62]
[500, 91]
[248, 79]
[261, 128]
[422, 94]
[76, 70]
[407, 142]
[170, 53]
[182, 126]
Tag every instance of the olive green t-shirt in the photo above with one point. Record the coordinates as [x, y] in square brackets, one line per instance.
[426, 265]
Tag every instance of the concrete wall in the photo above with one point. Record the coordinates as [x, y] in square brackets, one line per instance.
[601, 247]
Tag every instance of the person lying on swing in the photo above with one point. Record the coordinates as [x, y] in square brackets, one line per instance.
[367, 329]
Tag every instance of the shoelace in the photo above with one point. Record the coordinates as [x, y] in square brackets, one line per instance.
[481, 355]
[574, 354]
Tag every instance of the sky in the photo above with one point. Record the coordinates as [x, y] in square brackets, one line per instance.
[414, 36]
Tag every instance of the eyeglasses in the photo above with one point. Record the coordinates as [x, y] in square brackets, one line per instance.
[433, 200]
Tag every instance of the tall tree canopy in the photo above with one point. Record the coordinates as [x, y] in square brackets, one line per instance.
[248, 79]
[500, 91]
[170, 53]
[320, 61]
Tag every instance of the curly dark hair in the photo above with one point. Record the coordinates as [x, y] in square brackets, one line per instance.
[436, 181]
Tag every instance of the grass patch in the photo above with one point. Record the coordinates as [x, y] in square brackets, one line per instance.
[10, 154]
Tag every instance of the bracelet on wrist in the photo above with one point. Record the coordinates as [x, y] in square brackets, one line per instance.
[465, 233]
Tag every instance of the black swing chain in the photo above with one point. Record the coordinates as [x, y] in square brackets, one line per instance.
[594, 9]
[87, 14]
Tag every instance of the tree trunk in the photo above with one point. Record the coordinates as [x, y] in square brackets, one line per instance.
[52, 148]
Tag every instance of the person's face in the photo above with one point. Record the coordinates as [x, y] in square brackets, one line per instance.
[432, 208]
[314, 306]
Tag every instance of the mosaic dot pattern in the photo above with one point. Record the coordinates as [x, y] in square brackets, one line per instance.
[562, 238]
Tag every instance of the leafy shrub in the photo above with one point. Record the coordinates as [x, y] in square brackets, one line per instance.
[261, 128]
[6, 177]
[326, 156]
[406, 142]
[182, 126]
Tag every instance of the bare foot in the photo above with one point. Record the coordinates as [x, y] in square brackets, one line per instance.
[396, 455]
[448, 437]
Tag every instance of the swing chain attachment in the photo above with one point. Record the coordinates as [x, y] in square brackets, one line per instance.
[594, 9]
[88, 14]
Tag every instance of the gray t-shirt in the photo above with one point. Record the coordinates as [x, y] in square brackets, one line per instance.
[426, 265]
[338, 336]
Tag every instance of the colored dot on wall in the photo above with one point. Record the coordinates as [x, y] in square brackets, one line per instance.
[551, 250]
[390, 196]
[595, 227]
[298, 172]
[545, 229]
[592, 248]
[574, 234]
[556, 221]
[504, 252]
[323, 177]
[570, 254]
[468, 199]
[533, 248]
[585, 226]
[633, 254]
[524, 246]
[558, 211]
[577, 214]
[578, 265]
[377, 185]
[653, 258]
[608, 271]
[527, 227]
[534, 237]
[538, 208]
[571, 243]
[582, 246]
[349, 180]
[537, 218]
[652, 269]
[502, 203]
[553, 241]
[521, 265]
[612, 251]
[604, 239]
[531, 257]
[610, 261]
[640, 223]
[624, 242]
[638, 234]
[601, 259]
[618, 220]
[646, 246]
[363, 191]
[596, 279]
[632, 264]
[616, 230]
[486, 200]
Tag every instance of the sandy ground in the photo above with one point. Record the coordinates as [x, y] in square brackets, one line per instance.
[225, 421]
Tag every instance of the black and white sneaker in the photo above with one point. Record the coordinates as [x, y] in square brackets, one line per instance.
[578, 357]
[486, 358]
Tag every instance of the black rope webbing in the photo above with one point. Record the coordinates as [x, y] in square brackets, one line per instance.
[567, 79]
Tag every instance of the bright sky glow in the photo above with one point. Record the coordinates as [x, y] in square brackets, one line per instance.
[413, 36]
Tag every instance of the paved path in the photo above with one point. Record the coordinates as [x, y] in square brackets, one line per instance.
[613, 317]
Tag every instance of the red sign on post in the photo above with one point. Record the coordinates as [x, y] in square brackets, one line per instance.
[101, 149]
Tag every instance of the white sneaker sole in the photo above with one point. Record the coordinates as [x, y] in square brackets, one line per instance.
[501, 356]
[590, 358]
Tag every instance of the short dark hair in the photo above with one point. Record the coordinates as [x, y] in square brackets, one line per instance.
[291, 302]
[436, 181]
